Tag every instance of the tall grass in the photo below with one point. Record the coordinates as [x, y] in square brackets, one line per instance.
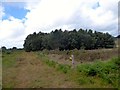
[61, 67]
[105, 71]
[108, 71]
[9, 61]
[86, 55]
[64, 68]
[9, 58]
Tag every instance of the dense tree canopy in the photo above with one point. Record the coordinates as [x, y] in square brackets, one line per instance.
[118, 36]
[68, 40]
[3, 48]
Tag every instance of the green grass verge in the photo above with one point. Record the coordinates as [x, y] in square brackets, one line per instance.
[108, 71]
[9, 61]
[61, 67]
[9, 58]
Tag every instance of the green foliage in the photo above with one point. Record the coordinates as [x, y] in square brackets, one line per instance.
[117, 61]
[8, 52]
[108, 70]
[63, 68]
[102, 72]
[68, 40]
[14, 48]
[51, 63]
[9, 58]
[3, 48]
[82, 80]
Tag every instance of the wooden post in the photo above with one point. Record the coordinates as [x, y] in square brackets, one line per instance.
[73, 63]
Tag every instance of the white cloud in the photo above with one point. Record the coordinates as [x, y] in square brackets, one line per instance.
[47, 15]
[50, 14]
[30, 4]
[11, 31]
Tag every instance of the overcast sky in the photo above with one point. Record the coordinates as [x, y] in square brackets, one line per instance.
[20, 18]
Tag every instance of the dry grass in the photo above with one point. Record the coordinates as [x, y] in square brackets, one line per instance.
[82, 56]
[30, 72]
[26, 70]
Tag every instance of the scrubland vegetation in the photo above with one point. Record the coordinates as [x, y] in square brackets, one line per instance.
[39, 69]
[107, 71]
[44, 61]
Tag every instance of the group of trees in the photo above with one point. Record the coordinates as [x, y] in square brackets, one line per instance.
[4, 48]
[68, 40]
[118, 36]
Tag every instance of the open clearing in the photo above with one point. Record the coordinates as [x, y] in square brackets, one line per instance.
[29, 71]
[36, 70]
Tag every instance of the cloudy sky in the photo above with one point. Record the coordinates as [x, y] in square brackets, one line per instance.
[20, 18]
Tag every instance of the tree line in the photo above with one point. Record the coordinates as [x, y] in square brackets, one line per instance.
[68, 40]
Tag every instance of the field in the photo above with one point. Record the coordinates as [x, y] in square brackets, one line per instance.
[53, 69]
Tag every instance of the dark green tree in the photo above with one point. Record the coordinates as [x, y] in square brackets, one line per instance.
[68, 40]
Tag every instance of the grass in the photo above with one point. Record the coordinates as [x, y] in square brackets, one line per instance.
[50, 73]
[9, 61]
[9, 58]
[97, 73]
[32, 72]
[86, 55]
[64, 68]
[61, 67]
[107, 71]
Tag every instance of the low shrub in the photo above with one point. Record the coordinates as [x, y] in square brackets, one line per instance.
[51, 63]
[105, 70]
[8, 52]
[108, 70]
[92, 72]
[63, 68]
[82, 81]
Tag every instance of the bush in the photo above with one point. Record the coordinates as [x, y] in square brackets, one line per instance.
[8, 52]
[108, 70]
[51, 63]
[82, 81]
[92, 72]
[117, 61]
[63, 68]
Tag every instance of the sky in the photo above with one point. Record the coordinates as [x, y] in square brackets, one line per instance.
[19, 18]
